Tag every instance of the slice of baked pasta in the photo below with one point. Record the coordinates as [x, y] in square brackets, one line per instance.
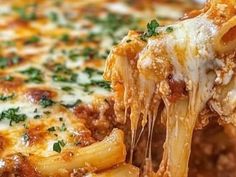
[187, 65]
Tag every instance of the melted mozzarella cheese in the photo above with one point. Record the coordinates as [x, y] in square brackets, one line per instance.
[178, 67]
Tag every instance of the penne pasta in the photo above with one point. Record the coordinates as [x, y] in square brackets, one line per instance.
[226, 40]
[98, 156]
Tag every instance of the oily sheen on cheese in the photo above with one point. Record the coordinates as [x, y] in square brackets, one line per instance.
[183, 65]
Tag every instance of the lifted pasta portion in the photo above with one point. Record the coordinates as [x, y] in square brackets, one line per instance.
[188, 66]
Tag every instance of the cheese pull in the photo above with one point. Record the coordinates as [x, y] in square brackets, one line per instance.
[183, 65]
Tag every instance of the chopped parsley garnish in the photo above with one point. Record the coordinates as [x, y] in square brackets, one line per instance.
[65, 78]
[73, 104]
[99, 83]
[47, 112]
[13, 115]
[92, 36]
[32, 40]
[89, 52]
[53, 16]
[46, 102]
[92, 71]
[37, 116]
[63, 127]
[64, 38]
[86, 53]
[4, 62]
[26, 13]
[73, 55]
[8, 43]
[58, 146]
[26, 138]
[60, 68]
[66, 88]
[6, 97]
[115, 21]
[151, 30]
[8, 78]
[169, 29]
[104, 84]
[79, 40]
[51, 129]
[63, 74]
[34, 75]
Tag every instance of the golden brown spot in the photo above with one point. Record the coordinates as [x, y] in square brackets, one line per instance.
[18, 165]
[17, 23]
[67, 156]
[36, 134]
[4, 143]
[13, 85]
[36, 94]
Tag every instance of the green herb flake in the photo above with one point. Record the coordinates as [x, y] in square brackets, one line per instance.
[4, 62]
[8, 78]
[86, 53]
[8, 43]
[63, 74]
[47, 112]
[26, 13]
[13, 115]
[66, 89]
[169, 29]
[77, 102]
[65, 78]
[92, 71]
[58, 146]
[26, 138]
[104, 84]
[63, 127]
[34, 75]
[6, 97]
[46, 102]
[151, 30]
[32, 40]
[51, 129]
[37, 116]
[64, 38]
[53, 16]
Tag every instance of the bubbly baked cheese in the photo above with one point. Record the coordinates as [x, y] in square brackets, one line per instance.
[189, 66]
[55, 106]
